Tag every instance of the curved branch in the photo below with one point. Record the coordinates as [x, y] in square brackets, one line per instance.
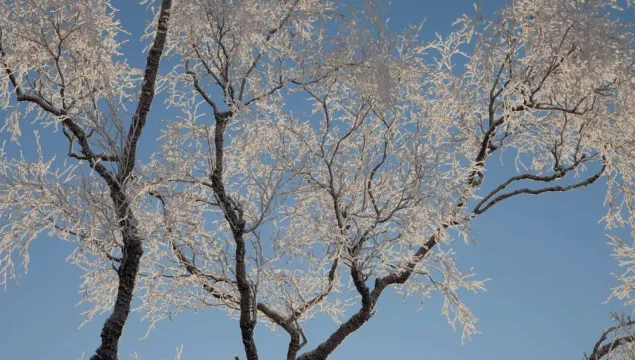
[558, 188]
[600, 351]
[559, 174]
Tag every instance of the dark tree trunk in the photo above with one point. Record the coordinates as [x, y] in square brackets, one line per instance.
[132, 240]
[247, 316]
[113, 328]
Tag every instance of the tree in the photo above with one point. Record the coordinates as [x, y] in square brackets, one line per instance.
[320, 158]
[58, 59]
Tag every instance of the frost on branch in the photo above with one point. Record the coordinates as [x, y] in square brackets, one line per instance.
[357, 184]
[59, 61]
[64, 52]
[394, 151]
[366, 181]
[320, 158]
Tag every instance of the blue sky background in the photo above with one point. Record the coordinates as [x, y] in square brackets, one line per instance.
[547, 256]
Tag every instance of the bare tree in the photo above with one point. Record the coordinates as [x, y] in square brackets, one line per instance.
[58, 60]
[322, 159]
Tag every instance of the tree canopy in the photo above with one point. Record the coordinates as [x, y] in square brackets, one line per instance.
[274, 214]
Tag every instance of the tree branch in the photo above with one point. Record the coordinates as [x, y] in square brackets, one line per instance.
[147, 92]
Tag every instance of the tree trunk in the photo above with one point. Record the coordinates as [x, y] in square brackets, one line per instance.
[113, 328]
[132, 240]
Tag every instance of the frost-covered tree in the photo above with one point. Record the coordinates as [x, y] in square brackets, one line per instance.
[320, 159]
[59, 64]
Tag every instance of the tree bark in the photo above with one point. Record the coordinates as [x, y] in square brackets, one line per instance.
[234, 215]
[132, 240]
[132, 252]
[247, 313]
[369, 302]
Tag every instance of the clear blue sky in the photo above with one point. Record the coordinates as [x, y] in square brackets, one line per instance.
[547, 257]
